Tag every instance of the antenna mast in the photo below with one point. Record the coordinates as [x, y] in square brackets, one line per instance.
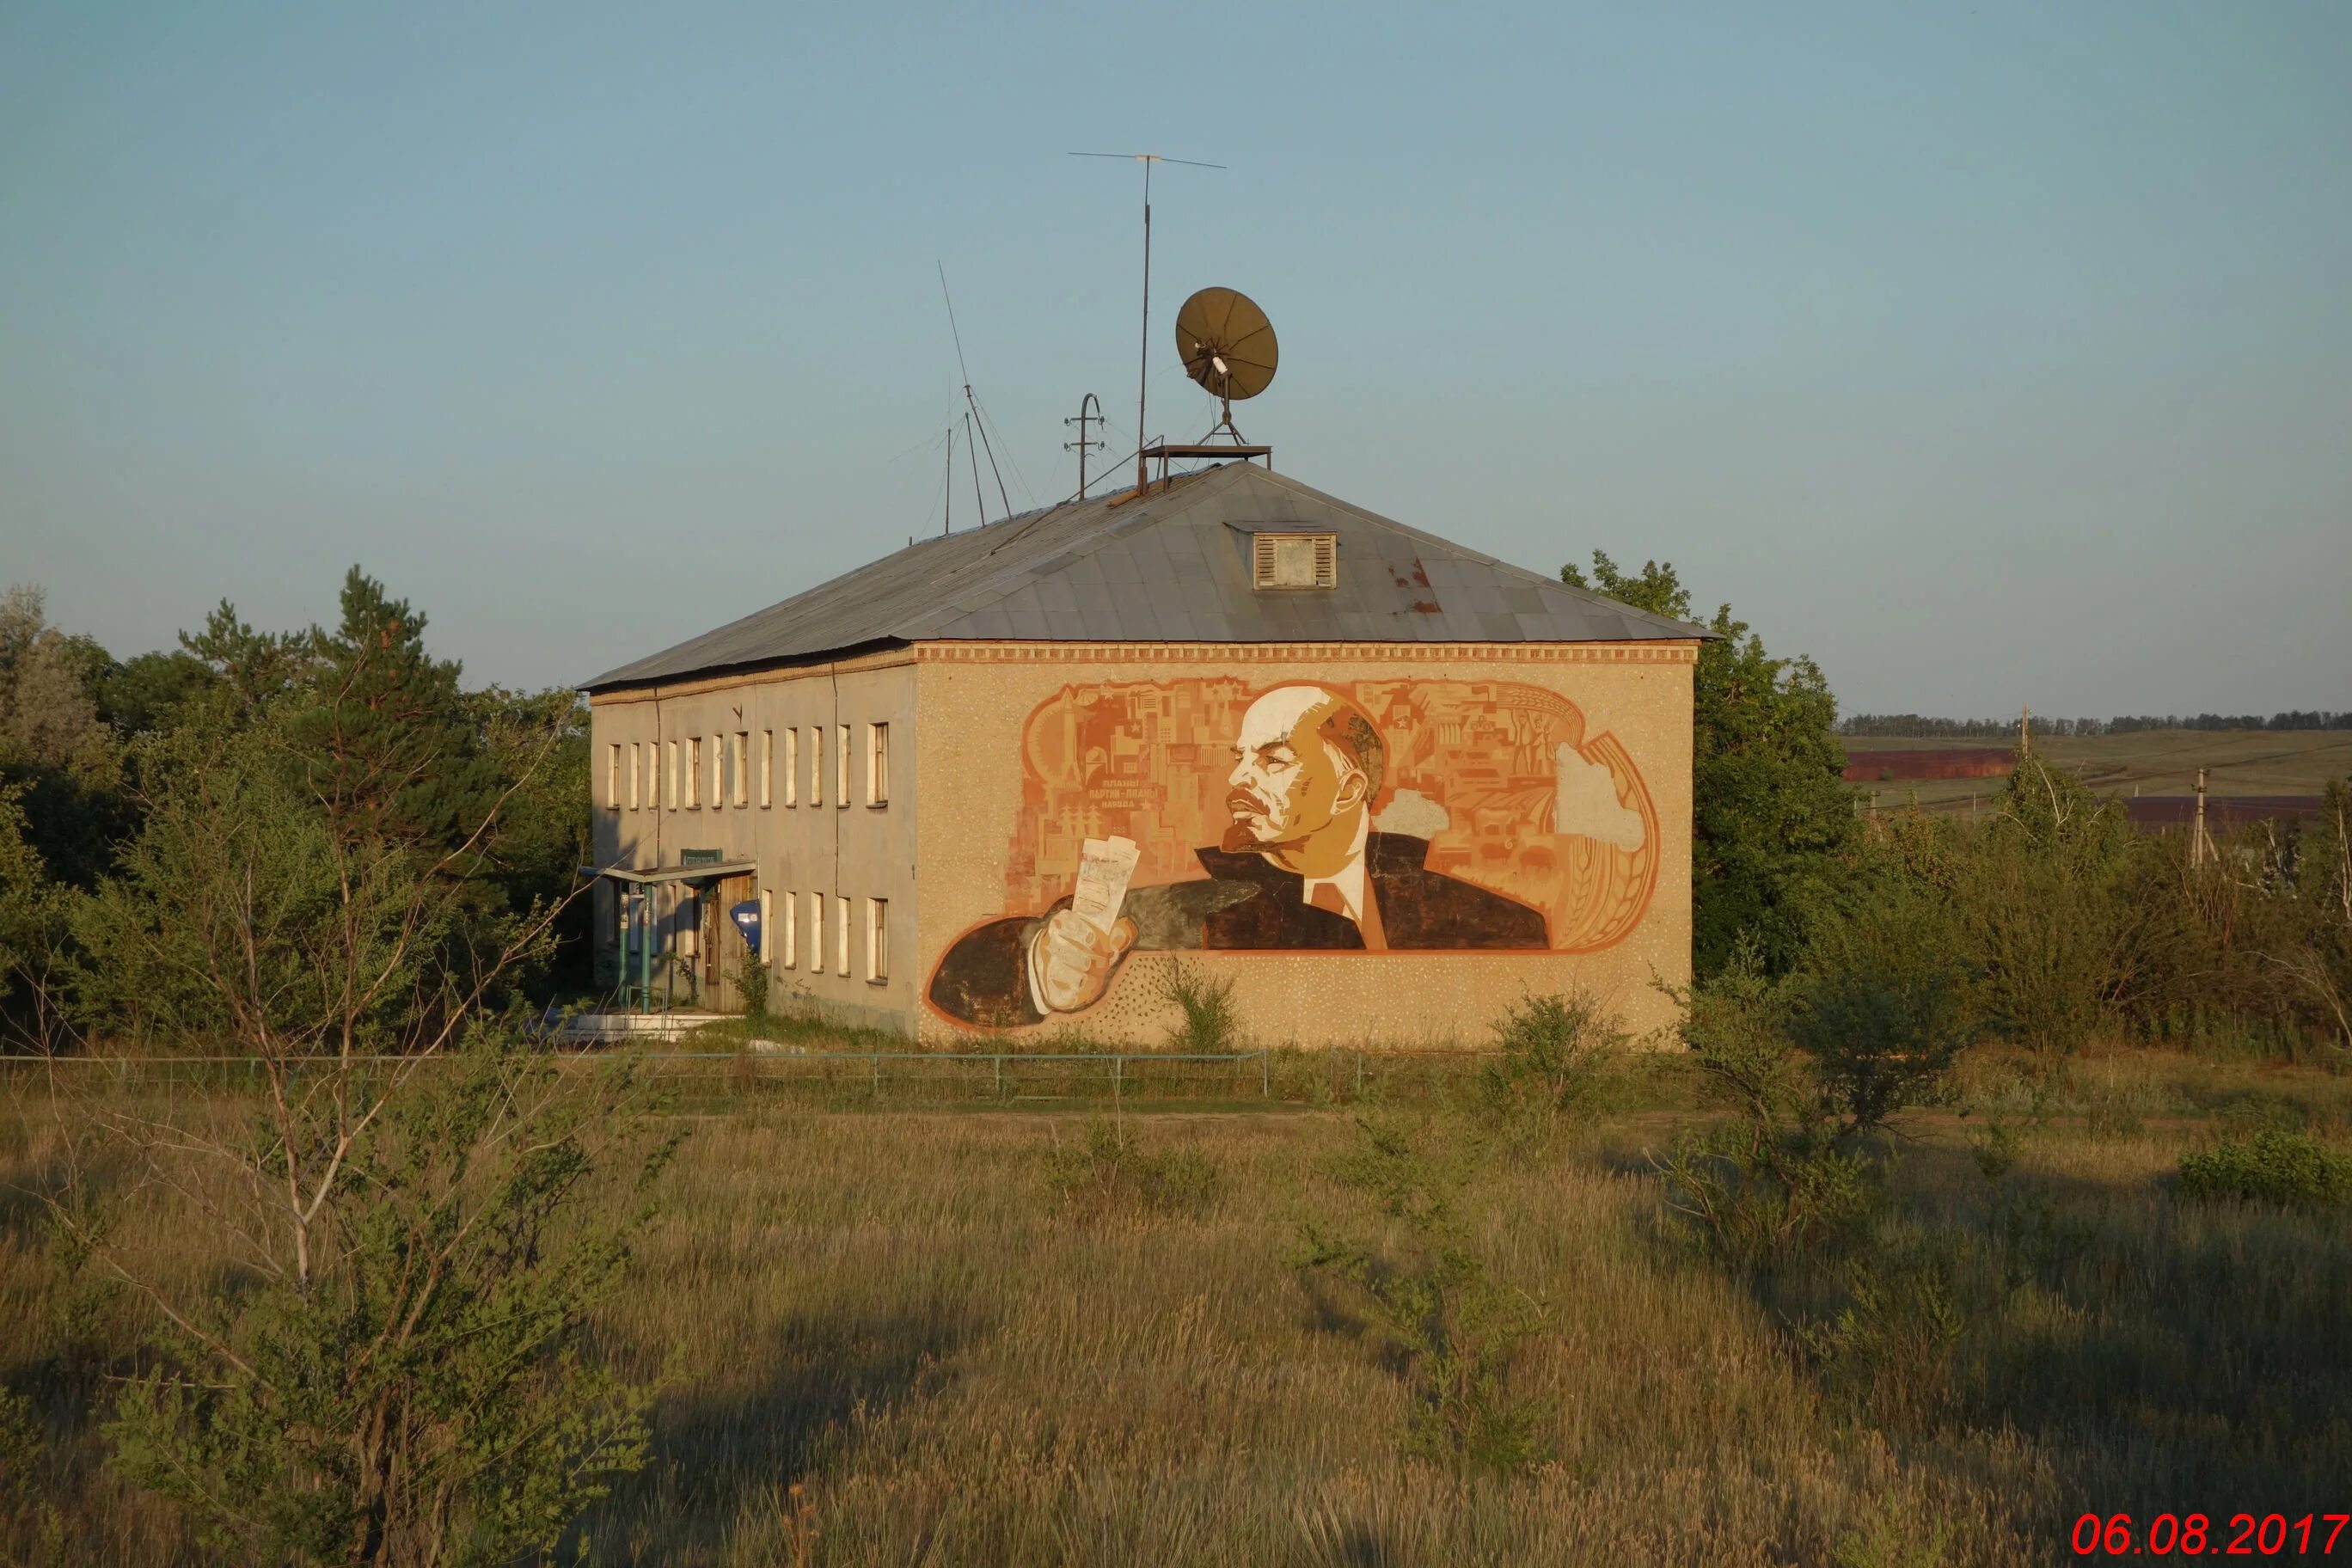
[972, 416]
[1143, 369]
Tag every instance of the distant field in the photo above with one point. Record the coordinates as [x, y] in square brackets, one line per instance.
[2238, 764]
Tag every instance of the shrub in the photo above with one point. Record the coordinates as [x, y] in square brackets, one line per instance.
[1109, 1172]
[420, 1393]
[2293, 1170]
[1211, 1022]
[1891, 1349]
[752, 982]
[1777, 1179]
[1452, 1329]
[1557, 1054]
[1885, 1005]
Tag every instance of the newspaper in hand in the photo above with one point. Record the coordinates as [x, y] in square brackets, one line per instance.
[1104, 867]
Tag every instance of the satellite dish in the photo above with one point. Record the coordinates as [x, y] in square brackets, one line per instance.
[1227, 346]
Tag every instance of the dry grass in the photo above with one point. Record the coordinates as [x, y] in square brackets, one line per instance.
[890, 1311]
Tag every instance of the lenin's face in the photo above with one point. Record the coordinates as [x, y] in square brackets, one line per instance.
[1289, 797]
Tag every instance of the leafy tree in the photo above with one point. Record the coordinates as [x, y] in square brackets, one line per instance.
[1772, 823]
[144, 694]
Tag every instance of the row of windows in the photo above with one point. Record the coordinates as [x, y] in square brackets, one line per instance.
[636, 778]
[783, 931]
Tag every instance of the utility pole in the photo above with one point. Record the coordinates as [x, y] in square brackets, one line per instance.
[1081, 446]
[2196, 848]
[2025, 731]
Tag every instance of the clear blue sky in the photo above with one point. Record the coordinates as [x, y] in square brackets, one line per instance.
[1991, 355]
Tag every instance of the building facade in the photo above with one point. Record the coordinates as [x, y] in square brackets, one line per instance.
[1015, 781]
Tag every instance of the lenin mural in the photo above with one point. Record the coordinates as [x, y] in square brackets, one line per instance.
[1382, 817]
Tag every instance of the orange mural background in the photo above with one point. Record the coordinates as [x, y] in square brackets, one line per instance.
[1499, 776]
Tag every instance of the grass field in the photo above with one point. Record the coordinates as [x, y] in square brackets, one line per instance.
[2149, 762]
[957, 1356]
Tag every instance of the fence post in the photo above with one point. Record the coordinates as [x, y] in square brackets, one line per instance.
[1359, 1074]
[877, 1073]
[1265, 1078]
[1000, 1077]
[1117, 1081]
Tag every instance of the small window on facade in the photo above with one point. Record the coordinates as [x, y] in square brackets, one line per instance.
[738, 759]
[613, 776]
[634, 749]
[694, 770]
[816, 933]
[792, 767]
[841, 936]
[1294, 561]
[816, 765]
[673, 775]
[877, 940]
[717, 771]
[787, 945]
[767, 928]
[841, 764]
[767, 768]
[877, 765]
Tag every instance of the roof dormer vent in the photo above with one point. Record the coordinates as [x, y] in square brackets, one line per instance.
[1294, 561]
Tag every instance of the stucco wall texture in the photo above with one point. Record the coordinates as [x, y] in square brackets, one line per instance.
[974, 699]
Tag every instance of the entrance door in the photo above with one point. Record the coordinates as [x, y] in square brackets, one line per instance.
[722, 944]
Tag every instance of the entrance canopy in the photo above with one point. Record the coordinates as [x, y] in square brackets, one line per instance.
[693, 876]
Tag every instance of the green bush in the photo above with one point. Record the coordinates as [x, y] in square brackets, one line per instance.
[2293, 1170]
[1109, 1173]
[1211, 1022]
[1558, 1055]
[1452, 1332]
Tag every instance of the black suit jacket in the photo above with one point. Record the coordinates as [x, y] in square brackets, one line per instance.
[1249, 903]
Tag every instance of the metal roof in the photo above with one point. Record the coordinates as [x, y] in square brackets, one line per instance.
[1172, 567]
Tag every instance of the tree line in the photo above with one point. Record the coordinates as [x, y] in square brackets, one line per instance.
[1914, 726]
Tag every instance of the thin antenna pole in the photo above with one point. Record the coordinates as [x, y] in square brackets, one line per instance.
[947, 513]
[1143, 354]
[1143, 368]
[979, 495]
[973, 407]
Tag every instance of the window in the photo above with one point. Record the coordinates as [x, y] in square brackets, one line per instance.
[673, 775]
[792, 767]
[877, 765]
[841, 936]
[1294, 561]
[816, 933]
[877, 940]
[786, 945]
[841, 765]
[694, 772]
[632, 775]
[613, 776]
[767, 928]
[718, 771]
[767, 768]
[738, 758]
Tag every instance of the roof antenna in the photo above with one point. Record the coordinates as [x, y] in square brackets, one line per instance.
[1089, 412]
[976, 423]
[1142, 372]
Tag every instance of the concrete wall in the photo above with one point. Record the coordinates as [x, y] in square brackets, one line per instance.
[1024, 749]
[854, 850]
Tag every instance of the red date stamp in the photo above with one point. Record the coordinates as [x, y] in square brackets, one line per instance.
[2196, 1535]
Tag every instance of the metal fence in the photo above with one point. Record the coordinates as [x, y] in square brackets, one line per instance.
[720, 1079]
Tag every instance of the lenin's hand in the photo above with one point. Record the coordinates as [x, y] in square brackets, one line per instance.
[1070, 961]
